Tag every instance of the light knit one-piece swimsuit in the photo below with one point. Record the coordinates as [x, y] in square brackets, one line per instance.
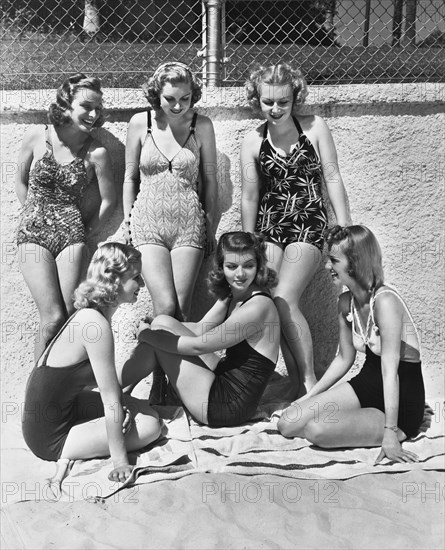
[167, 210]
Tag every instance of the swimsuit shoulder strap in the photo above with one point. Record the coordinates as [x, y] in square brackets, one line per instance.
[48, 141]
[85, 148]
[297, 124]
[265, 131]
[148, 121]
[228, 307]
[193, 123]
[394, 291]
[53, 340]
[257, 294]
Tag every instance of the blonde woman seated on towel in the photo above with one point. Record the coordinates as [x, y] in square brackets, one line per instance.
[62, 419]
[383, 404]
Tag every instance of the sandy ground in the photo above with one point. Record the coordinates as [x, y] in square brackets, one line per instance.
[231, 511]
[227, 511]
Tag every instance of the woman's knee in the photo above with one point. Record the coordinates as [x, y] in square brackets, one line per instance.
[51, 321]
[164, 304]
[290, 424]
[163, 321]
[149, 427]
[315, 433]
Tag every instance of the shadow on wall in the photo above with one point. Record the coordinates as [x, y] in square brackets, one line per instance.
[202, 300]
[91, 200]
[319, 306]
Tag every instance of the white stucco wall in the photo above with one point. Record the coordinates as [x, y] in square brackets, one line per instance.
[390, 142]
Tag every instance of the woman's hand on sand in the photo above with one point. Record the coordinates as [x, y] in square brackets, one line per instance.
[121, 473]
[393, 450]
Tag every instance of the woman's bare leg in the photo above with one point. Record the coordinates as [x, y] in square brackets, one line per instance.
[333, 419]
[39, 270]
[186, 262]
[299, 263]
[89, 439]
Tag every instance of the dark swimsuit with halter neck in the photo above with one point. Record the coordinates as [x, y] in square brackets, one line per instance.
[291, 209]
[50, 409]
[241, 378]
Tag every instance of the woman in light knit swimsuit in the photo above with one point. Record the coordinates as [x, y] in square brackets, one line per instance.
[171, 155]
[170, 189]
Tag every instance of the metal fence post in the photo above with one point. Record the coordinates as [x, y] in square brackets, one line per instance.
[213, 54]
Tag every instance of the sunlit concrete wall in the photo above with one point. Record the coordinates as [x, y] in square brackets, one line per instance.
[390, 142]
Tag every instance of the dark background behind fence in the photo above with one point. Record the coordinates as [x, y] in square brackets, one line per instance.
[333, 41]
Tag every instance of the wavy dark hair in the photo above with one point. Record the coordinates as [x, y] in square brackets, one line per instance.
[363, 252]
[280, 75]
[174, 73]
[58, 112]
[241, 242]
[108, 264]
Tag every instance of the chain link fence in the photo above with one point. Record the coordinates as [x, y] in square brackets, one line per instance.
[333, 41]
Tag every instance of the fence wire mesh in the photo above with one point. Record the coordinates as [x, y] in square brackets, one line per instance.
[333, 41]
[339, 41]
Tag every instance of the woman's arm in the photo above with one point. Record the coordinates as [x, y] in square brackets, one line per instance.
[208, 168]
[137, 128]
[250, 180]
[331, 172]
[24, 162]
[389, 319]
[101, 355]
[345, 357]
[102, 166]
[248, 322]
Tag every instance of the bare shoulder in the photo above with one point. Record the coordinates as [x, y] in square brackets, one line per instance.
[89, 317]
[204, 123]
[261, 306]
[138, 121]
[344, 302]
[98, 151]
[386, 299]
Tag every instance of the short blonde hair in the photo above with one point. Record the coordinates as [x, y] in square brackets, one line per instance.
[108, 264]
[280, 75]
[363, 252]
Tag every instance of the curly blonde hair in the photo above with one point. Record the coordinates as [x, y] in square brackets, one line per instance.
[108, 264]
[280, 75]
[241, 242]
[173, 72]
[59, 112]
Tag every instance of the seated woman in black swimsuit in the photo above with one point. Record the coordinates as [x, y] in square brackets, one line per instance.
[244, 320]
[383, 404]
[63, 420]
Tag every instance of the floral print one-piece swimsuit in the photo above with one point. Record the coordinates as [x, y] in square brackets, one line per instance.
[51, 215]
[291, 209]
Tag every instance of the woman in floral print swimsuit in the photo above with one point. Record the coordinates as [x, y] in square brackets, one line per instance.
[57, 164]
[283, 163]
